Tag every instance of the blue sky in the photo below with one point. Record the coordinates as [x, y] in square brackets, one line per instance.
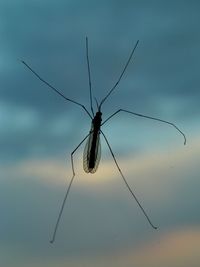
[101, 225]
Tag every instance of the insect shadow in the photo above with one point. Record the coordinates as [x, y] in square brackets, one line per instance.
[92, 151]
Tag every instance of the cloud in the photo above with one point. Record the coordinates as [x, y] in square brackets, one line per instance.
[162, 80]
[178, 248]
[150, 167]
[165, 182]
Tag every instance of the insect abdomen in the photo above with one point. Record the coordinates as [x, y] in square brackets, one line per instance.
[92, 156]
[92, 153]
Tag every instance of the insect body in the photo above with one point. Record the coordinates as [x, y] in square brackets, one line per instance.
[92, 151]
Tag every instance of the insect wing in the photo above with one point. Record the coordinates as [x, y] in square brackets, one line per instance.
[87, 153]
[97, 154]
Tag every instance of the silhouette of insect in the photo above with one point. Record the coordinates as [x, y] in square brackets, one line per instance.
[92, 151]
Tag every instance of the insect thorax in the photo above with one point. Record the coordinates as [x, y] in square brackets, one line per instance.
[96, 122]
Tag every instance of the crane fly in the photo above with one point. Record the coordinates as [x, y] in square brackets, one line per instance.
[92, 151]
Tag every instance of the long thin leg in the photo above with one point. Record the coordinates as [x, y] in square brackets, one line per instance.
[54, 89]
[148, 117]
[67, 192]
[89, 76]
[126, 183]
[125, 67]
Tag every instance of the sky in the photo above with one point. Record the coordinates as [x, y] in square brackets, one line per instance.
[102, 224]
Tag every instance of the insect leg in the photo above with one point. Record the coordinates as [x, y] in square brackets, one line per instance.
[126, 183]
[54, 89]
[119, 79]
[67, 192]
[148, 117]
[89, 75]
